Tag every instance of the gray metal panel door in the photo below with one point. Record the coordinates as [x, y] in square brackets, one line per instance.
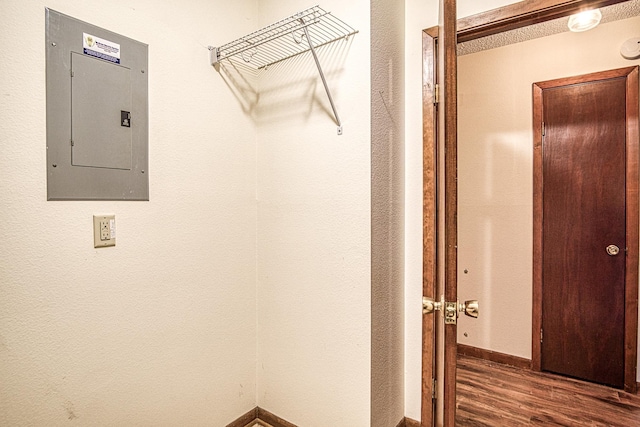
[100, 91]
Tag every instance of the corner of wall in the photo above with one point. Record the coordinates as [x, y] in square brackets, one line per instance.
[387, 206]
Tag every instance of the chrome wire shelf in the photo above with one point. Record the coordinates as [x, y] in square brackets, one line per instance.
[284, 39]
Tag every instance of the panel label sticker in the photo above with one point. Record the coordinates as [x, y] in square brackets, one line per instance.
[100, 48]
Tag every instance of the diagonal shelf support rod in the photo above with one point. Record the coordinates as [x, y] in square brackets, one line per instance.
[324, 81]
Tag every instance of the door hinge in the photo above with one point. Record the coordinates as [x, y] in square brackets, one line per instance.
[540, 334]
[543, 131]
[436, 95]
[434, 384]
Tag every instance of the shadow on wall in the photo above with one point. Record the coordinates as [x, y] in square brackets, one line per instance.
[290, 88]
[242, 81]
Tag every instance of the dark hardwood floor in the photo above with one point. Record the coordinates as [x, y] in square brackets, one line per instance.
[490, 394]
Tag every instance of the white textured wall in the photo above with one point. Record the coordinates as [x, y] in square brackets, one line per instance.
[496, 171]
[161, 329]
[387, 228]
[314, 221]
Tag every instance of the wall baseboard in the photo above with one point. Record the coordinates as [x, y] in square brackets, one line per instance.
[246, 419]
[494, 356]
[260, 416]
[408, 422]
[273, 420]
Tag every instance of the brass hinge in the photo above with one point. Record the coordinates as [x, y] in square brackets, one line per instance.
[540, 334]
[436, 95]
[543, 131]
[434, 384]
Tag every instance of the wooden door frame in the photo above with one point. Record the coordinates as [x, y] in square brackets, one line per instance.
[429, 226]
[631, 217]
[506, 18]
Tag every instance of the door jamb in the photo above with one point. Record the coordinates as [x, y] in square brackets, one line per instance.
[429, 228]
[631, 218]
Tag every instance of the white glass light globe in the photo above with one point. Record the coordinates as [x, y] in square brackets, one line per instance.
[584, 21]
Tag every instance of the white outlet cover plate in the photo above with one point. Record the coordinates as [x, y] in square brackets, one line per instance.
[98, 242]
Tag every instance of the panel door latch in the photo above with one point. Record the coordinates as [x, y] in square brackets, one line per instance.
[450, 310]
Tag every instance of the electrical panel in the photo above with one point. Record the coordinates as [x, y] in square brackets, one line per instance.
[97, 112]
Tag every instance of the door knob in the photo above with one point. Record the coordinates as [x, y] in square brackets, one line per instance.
[471, 308]
[429, 305]
[613, 250]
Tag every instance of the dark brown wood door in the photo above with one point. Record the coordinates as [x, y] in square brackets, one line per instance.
[447, 77]
[583, 291]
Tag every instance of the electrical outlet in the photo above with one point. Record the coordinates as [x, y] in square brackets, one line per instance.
[104, 230]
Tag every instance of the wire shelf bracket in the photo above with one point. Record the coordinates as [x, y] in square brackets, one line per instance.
[284, 40]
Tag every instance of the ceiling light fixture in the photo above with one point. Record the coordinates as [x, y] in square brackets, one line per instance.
[584, 21]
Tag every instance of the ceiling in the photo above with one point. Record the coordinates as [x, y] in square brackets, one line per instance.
[612, 13]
